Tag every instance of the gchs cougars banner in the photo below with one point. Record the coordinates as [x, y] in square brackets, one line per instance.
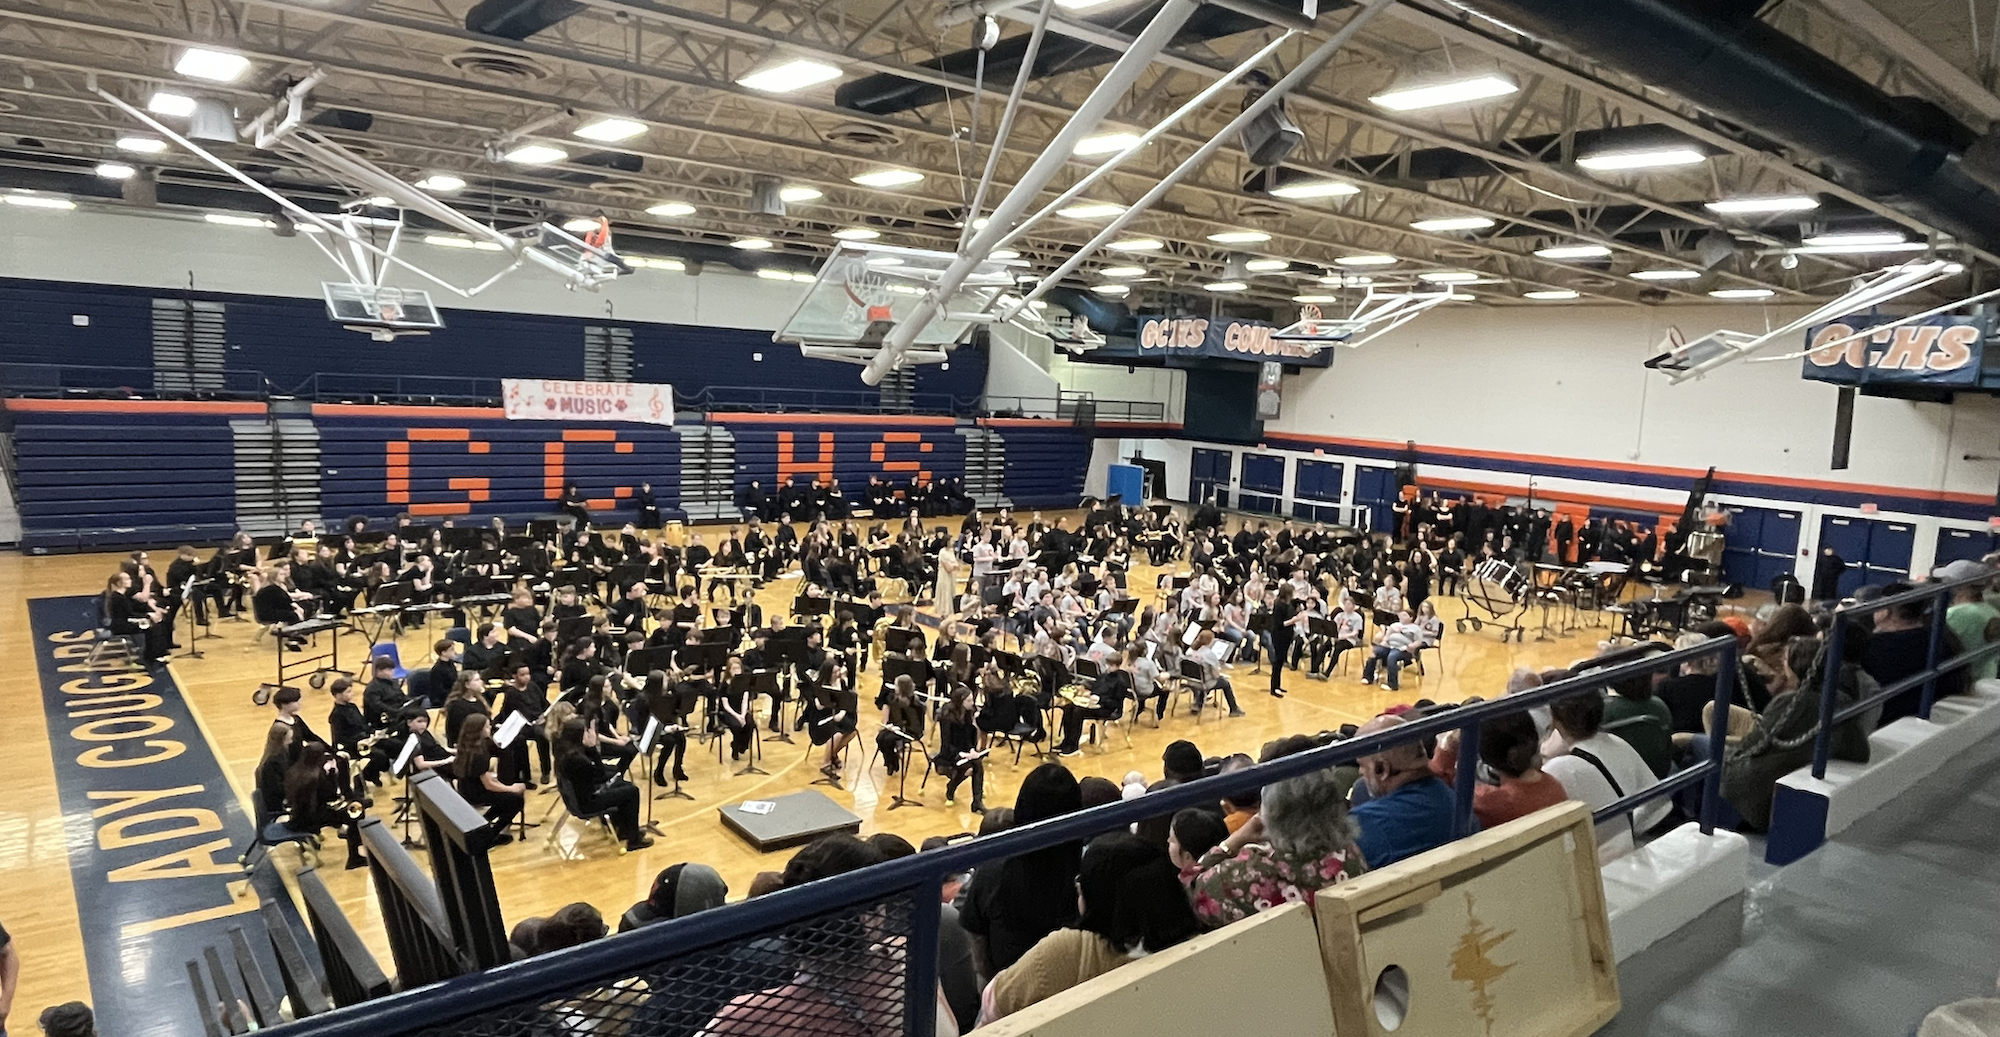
[1936, 351]
[1224, 340]
[547, 399]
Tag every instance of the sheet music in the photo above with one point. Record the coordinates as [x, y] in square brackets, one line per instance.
[757, 806]
[510, 729]
[1193, 631]
[403, 758]
[652, 732]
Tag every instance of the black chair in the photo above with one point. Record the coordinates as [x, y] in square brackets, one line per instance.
[568, 804]
[1030, 729]
[1196, 682]
[272, 832]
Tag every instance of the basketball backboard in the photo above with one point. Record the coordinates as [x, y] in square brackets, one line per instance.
[381, 311]
[863, 290]
[1378, 312]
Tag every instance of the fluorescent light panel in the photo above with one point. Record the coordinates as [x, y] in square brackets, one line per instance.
[798, 193]
[38, 201]
[170, 104]
[1090, 211]
[1742, 293]
[1874, 248]
[1449, 223]
[1767, 203]
[215, 65]
[1573, 252]
[115, 170]
[230, 219]
[789, 76]
[453, 241]
[536, 154]
[1315, 189]
[1438, 95]
[1239, 237]
[1449, 276]
[1551, 294]
[751, 244]
[857, 234]
[1651, 158]
[1115, 291]
[610, 129]
[1856, 238]
[441, 183]
[670, 209]
[889, 178]
[1123, 271]
[142, 145]
[1665, 275]
[1369, 260]
[579, 225]
[1224, 286]
[1105, 144]
[1137, 245]
[1265, 266]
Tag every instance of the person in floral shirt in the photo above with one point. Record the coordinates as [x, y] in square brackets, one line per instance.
[1300, 841]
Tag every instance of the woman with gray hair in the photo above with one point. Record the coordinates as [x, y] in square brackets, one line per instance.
[1300, 841]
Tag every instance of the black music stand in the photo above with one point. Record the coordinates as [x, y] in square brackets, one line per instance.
[646, 660]
[649, 744]
[897, 639]
[806, 606]
[761, 682]
[192, 607]
[383, 602]
[912, 748]
[405, 767]
[1258, 624]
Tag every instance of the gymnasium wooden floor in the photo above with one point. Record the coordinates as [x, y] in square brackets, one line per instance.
[41, 909]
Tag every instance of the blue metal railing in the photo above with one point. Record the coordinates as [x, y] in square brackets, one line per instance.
[442, 390]
[765, 400]
[921, 877]
[61, 380]
[1938, 595]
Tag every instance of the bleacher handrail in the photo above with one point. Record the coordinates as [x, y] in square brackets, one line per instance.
[47, 380]
[546, 977]
[1832, 714]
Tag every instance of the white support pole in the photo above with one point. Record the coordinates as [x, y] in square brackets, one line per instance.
[1123, 74]
[1299, 74]
[1006, 127]
[1194, 104]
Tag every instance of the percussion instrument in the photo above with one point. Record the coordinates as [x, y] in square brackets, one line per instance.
[1502, 590]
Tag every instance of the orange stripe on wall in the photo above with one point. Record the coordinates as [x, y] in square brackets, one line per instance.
[878, 420]
[134, 407]
[385, 410]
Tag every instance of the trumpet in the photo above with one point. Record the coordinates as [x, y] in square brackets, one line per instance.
[1078, 695]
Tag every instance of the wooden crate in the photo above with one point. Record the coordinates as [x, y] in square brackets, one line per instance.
[1500, 935]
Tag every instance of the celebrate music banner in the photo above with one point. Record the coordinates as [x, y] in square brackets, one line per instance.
[547, 399]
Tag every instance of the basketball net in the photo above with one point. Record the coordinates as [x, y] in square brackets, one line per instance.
[1309, 316]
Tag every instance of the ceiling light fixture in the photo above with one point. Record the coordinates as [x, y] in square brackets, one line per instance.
[1315, 298]
[1651, 158]
[1573, 252]
[1839, 239]
[1449, 277]
[230, 219]
[1104, 144]
[1003, 253]
[1123, 271]
[1345, 280]
[170, 104]
[670, 209]
[1137, 245]
[1742, 293]
[751, 244]
[1238, 237]
[651, 263]
[1437, 95]
[1090, 211]
[1115, 291]
[218, 66]
[789, 76]
[1872, 248]
[1768, 203]
[38, 201]
[1315, 189]
[536, 154]
[769, 274]
[579, 225]
[115, 170]
[609, 130]
[889, 178]
[1368, 260]
[1437, 224]
[1665, 275]
[1551, 294]
[1224, 286]
[142, 145]
[857, 234]
[440, 183]
[1266, 266]
[798, 193]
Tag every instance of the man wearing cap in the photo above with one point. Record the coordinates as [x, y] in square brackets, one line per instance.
[1974, 621]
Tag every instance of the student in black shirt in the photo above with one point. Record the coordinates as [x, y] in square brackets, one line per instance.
[629, 611]
[472, 773]
[579, 664]
[483, 655]
[444, 671]
[522, 695]
[468, 696]
[271, 768]
[384, 701]
[595, 788]
[1112, 688]
[522, 620]
[905, 714]
[736, 707]
[663, 700]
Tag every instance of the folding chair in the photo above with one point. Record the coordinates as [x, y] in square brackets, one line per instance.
[271, 832]
[566, 801]
[389, 649]
[1196, 683]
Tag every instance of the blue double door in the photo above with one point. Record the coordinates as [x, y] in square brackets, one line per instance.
[1877, 551]
[1374, 491]
[1965, 544]
[1208, 476]
[1759, 545]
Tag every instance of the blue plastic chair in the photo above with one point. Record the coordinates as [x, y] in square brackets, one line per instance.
[388, 648]
[462, 635]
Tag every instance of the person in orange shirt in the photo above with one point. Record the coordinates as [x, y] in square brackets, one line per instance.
[1514, 785]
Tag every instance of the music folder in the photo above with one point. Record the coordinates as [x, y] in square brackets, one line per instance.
[510, 729]
[402, 765]
[652, 732]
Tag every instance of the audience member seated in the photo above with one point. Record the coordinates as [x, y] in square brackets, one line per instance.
[69, 1019]
[1131, 904]
[1510, 746]
[679, 891]
[1238, 808]
[1781, 740]
[1301, 841]
[1601, 769]
[1195, 831]
[1180, 763]
[1013, 904]
[1408, 810]
[1899, 648]
[1971, 616]
[1632, 713]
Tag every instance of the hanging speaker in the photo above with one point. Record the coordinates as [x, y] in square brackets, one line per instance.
[1714, 248]
[212, 119]
[765, 198]
[1271, 137]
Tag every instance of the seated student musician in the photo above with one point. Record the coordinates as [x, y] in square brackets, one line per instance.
[1395, 647]
[128, 617]
[474, 770]
[315, 798]
[524, 695]
[737, 707]
[902, 723]
[832, 715]
[383, 701]
[598, 789]
[1108, 695]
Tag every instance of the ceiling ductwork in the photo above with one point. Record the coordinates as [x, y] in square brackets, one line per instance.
[888, 94]
[518, 19]
[1900, 151]
[1104, 316]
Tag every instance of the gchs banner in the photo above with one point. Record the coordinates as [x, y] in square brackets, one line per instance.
[550, 400]
[1936, 351]
[1224, 340]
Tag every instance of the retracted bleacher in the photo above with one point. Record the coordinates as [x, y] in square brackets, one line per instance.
[147, 472]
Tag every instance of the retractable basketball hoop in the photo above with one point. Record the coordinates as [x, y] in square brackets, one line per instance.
[1377, 313]
[1682, 359]
[365, 247]
[864, 290]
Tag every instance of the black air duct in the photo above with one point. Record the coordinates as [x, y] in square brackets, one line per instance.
[518, 19]
[1899, 151]
[1103, 316]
